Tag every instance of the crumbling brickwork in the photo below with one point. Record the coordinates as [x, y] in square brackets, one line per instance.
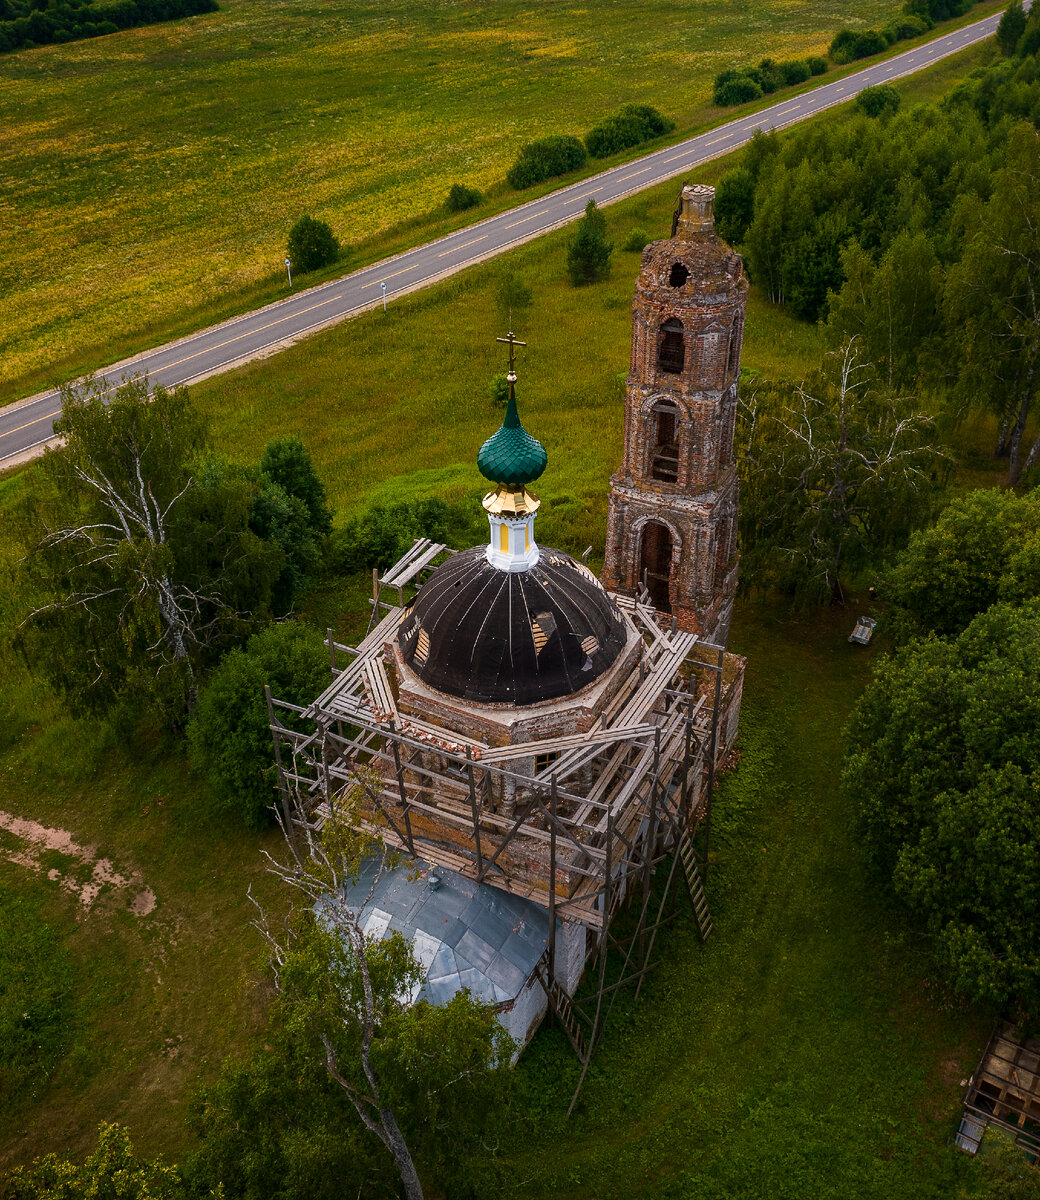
[672, 520]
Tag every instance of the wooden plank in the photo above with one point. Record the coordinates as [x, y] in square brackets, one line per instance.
[414, 568]
[389, 579]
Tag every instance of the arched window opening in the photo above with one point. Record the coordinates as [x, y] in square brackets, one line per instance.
[655, 564]
[671, 355]
[734, 349]
[664, 460]
[678, 275]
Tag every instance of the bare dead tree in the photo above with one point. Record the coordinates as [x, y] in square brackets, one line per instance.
[830, 472]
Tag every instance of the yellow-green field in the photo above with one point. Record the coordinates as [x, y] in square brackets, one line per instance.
[148, 179]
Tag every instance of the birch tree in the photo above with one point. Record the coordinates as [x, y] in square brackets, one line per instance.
[136, 570]
[992, 305]
[347, 998]
[833, 473]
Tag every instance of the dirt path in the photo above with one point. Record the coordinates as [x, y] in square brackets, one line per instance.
[85, 876]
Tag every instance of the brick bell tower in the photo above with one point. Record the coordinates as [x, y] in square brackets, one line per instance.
[672, 518]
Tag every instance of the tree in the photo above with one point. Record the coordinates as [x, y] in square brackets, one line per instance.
[882, 100]
[1012, 26]
[344, 996]
[112, 1171]
[892, 309]
[735, 204]
[229, 737]
[145, 572]
[588, 255]
[311, 245]
[943, 765]
[287, 462]
[833, 473]
[985, 547]
[513, 296]
[992, 303]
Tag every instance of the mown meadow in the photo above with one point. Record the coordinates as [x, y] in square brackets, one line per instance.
[800, 1052]
[149, 178]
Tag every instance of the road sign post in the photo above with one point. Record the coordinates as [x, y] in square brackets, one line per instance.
[383, 286]
[288, 270]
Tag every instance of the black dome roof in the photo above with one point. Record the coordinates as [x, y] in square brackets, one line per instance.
[505, 637]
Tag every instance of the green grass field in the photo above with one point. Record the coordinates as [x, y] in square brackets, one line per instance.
[149, 178]
[799, 1053]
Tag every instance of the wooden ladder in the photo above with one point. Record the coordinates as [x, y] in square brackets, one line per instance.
[695, 885]
[563, 1009]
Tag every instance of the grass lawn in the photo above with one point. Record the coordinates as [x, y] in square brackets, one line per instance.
[149, 178]
[800, 1051]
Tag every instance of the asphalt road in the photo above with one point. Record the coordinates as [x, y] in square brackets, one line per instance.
[27, 426]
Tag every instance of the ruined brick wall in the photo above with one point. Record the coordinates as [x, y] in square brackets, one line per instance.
[673, 503]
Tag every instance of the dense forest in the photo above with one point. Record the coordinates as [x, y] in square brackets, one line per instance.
[913, 232]
[28, 23]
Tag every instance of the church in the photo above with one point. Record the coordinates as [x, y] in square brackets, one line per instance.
[539, 744]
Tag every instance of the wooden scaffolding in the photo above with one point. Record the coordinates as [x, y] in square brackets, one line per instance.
[1004, 1091]
[617, 816]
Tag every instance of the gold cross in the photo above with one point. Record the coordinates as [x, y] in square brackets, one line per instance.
[513, 340]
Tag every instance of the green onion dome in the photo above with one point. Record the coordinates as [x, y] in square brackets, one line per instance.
[511, 456]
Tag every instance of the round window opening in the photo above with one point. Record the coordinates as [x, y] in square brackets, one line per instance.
[679, 275]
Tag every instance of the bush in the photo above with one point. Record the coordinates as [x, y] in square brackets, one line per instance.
[794, 72]
[637, 241]
[817, 64]
[380, 536]
[588, 256]
[545, 159]
[311, 245]
[498, 389]
[847, 46]
[631, 125]
[909, 27]
[738, 90]
[461, 197]
[879, 101]
[287, 462]
[228, 735]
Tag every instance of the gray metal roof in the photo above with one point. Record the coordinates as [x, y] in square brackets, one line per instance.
[465, 935]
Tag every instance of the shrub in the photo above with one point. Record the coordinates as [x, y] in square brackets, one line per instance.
[311, 245]
[380, 536]
[879, 101]
[872, 41]
[287, 462]
[631, 125]
[738, 90]
[794, 72]
[498, 389]
[461, 197]
[817, 64]
[588, 256]
[228, 735]
[637, 241]
[513, 295]
[1012, 26]
[545, 159]
[909, 27]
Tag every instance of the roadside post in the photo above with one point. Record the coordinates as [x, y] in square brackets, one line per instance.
[288, 269]
[383, 286]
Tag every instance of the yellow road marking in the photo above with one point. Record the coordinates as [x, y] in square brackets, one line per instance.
[377, 282]
[33, 422]
[526, 219]
[721, 139]
[463, 246]
[634, 174]
[583, 195]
